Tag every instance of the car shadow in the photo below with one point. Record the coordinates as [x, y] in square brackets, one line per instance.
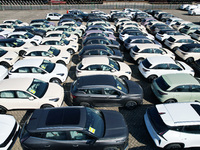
[72, 73]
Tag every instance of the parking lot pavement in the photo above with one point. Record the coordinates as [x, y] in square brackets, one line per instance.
[139, 138]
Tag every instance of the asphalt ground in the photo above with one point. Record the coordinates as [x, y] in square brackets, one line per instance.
[139, 138]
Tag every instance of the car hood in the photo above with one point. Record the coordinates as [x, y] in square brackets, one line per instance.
[50, 93]
[7, 123]
[134, 88]
[60, 68]
[115, 125]
[124, 67]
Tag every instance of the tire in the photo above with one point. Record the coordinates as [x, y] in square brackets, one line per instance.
[71, 51]
[85, 104]
[174, 146]
[61, 62]
[131, 104]
[22, 52]
[56, 80]
[189, 60]
[5, 64]
[152, 77]
[139, 60]
[170, 101]
[46, 106]
[174, 49]
[124, 78]
[3, 110]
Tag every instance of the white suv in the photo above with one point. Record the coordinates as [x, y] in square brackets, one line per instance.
[174, 125]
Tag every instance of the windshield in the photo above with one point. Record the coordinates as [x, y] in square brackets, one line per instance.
[114, 64]
[94, 122]
[38, 88]
[17, 43]
[29, 35]
[47, 65]
[121, 85]
[54, 51]
[162, 84]
[2, 52]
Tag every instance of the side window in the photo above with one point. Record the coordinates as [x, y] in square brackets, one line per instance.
[161, 66]
[77, 135]
[45, 54]
[93, 42]
[34, 54]
[94, 68]
[36, 70]
[94, 52]
[7, 94]
[103, 52]
[106, 68]
[22, 94]
[195, 88]
[61, 135]
[174, 67]
[95, 91]
[182, 88]
[23, 70]
[192, 129]
[110, 91]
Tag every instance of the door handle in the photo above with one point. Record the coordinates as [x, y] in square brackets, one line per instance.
[75, 145]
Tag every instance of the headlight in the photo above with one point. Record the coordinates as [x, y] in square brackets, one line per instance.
[74, 46]
[128, 72]
[36, 39]
[8, 58]
[65, 57]
[60, 74]
[54, 99]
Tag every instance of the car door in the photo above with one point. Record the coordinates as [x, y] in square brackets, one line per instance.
[195, 93]
[93, 70]
[40, 74]
[160, 69]
[96, 96]
[181, 93]
[113, 97]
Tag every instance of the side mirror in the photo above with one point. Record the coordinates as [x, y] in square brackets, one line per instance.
[31, 98]
[112, 70]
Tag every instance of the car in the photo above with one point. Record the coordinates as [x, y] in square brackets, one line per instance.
[140, 52]
[171, 88]
[188, 52]
[195, 11]
[180, 24]
[95, 50]
[116, 16]
[157, 27]
[26, 37]
[172, 21]
[106, 90]
[39, 68]
[146, 21]
[164, 16]
[155, 66]
[31, 29]
[68, 30]
[74, 25]
[42, 21]
[98, 33]
[65, 20]
[183, 6]
[8, 58]
[190, 7]
[120, 21]
[10, 130]
[103, 65]
[171, 125]
[50, 53]
[15, 45]
[196, 35]
[16, 22]
[175, 41]
[7, 26]
[79, 13]
[53, 16]
[189, 29]
[105, 24]
[58, 42]
[152, 23]
[101, 40]
[139, 16]
[72, 16]
[43, 26]
[29, 93]
[133, 23]
[87, 128]
[130, 27]
[99, 27]
[62, 34]
[138, 40]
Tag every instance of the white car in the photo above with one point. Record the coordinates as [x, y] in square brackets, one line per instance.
[175, 41]
[9, 131]
[190, 7]
[8, 58]
[70, 46]
[62, 34]
[26, 37]
[107, 25]
[195, 35]
[180, 24]
[121, 20]
[48, 53]
[53, 16]
[7, 27]
[140, 52]
[74, 25]
[74, 31]
[142, 28]
[29, 93]
[16, 22]
[103, 65]
[172, 20]
[153, 67]
[125, 27]
[183, 7]
[175, 125]
[3, 72]
[195, 11]
[39, 68]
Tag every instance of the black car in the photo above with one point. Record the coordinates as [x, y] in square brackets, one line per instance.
[40, 21]
[72, 16]
[101, 40]
[75, 128]
[68, 20]
[31, 29]
[79, 13]
[106, 90]
[141, 16]
[116, 16]
[157, 27]
[164, 16]
[94, 50]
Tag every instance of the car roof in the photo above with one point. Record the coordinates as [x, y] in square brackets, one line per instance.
[15, 84]
[144, 46]
[39, 48]
[51, 39]
[178, 37]
[95, 38]
[19, 32]
[179, 114]
[7, 40]
[96, 80]
[54, 32]
[28, 63]
[179, 79]
[189, 46]
[57, 119]
[138, 37]
[93, 46]
[95, 60]
[160, 59]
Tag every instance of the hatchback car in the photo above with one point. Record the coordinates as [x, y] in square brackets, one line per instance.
[9, 131]
[40, 69]
[75, 127]
[166, 33]
[189, 29]
[29, 93]
[171, 125]
[172, 88]
[153, 67]
[106, 90]
[68, 30]
[196, 35]
[103, 65]
[53, 16]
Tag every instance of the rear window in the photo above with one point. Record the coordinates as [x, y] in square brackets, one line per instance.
[156, 121]
[162, 84]
[171, 39]
[135, 49]
[146, 63]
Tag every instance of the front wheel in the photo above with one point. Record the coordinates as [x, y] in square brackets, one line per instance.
[71, 51]
[189, 60]
[170, 101]
[131, 104]
[3, 110]
[56, 80]
[123, 78]
[5, 64]
[139, 60]
[173, 146]
[46, 106]
[22, 52]
[152, 77]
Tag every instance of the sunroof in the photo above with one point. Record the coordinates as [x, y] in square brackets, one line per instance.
[66, 116]
[196, 108]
